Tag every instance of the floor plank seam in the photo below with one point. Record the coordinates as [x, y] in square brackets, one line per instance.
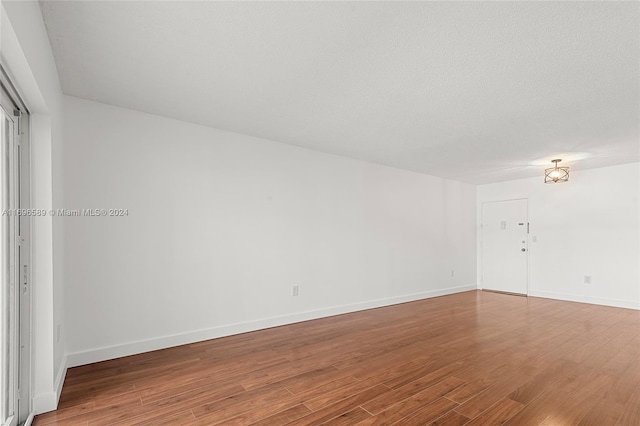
[370, 413]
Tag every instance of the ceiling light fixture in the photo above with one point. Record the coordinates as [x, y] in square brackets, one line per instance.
[556, 174]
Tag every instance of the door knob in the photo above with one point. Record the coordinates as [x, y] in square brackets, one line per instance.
[523, 249]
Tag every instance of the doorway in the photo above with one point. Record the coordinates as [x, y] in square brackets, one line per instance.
[505, 258]
[15, 295]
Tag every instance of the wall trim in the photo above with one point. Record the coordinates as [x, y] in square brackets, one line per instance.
[586, 299]
[102, 354]
[29, 420]
[62, 374]
[44, 402]
[48, 401]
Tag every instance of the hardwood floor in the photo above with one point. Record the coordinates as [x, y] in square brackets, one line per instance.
[474, 358]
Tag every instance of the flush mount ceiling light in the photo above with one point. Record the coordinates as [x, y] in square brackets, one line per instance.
[556, 174]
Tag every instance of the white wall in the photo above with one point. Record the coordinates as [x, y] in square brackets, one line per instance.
[587, 226]
[222, 225]
[26, 54]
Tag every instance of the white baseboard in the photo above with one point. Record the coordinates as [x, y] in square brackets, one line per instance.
[586, 299]
[45, 402]
[29, 420]
[132, 348]
[62, 374]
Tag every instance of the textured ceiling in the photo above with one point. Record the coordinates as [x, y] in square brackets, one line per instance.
[474, 91]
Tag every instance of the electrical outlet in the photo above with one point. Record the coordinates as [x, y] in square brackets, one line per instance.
[294, 290]
[587, 279]
[452, 273]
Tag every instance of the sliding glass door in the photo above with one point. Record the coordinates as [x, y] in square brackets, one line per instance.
[9, 286]
[15, 223]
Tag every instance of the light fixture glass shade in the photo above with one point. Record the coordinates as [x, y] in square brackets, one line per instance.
[556, 174]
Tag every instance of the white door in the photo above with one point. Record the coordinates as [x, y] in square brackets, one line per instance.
[505, 246]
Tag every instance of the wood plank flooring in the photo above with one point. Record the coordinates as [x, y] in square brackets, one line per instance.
[473, 358]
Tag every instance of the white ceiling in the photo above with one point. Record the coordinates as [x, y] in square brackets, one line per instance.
[474, 91]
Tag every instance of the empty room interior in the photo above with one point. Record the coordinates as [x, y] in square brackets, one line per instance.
[305, 213]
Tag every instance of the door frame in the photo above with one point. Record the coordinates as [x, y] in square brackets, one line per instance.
[21, 161]
[481, 241]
